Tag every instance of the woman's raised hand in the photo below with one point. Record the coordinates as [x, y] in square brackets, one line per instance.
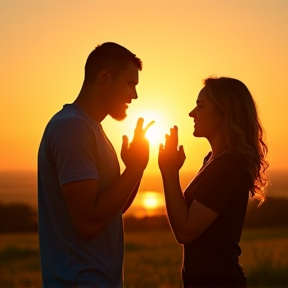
[170, 159]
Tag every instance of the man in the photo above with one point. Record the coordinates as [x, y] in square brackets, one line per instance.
[81, 194]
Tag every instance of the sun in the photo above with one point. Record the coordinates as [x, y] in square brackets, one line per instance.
[150, 203]
[151, 200]
[147, 204]
[155, 133]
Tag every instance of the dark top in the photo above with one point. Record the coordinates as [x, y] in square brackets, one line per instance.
[211, 260]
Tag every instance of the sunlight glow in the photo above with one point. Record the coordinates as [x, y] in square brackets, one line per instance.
[147, 204]
[151, 200]
[156, 132]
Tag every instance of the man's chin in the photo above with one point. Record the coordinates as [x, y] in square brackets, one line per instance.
[118, 117]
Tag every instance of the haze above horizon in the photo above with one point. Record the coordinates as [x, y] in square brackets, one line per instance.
[44, 46]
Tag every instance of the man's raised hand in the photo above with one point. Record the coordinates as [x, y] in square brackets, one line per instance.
[136, 155]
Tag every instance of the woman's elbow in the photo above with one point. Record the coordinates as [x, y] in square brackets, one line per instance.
[183, 238]
[184, 234]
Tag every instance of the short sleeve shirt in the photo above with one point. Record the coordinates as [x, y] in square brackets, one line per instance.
[223, 186]
[74, 147]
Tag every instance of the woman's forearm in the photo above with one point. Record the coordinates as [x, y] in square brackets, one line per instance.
[176, 206]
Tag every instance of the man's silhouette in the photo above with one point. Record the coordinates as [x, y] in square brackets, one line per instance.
[81, 193]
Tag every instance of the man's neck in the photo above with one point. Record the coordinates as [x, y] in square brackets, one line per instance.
[91, 104]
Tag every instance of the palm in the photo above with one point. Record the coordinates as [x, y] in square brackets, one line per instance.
[170, 158]
[136, 155]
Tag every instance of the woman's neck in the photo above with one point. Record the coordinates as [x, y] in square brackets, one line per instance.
[218, 145]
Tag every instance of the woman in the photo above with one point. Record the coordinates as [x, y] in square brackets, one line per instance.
[208, 218]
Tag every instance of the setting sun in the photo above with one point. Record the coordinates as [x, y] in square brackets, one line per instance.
[155, 133]
[147, 203]
[151, 200]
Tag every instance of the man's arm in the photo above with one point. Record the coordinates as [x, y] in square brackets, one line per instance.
[91, 211]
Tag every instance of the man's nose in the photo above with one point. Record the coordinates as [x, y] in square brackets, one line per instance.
[135, 95]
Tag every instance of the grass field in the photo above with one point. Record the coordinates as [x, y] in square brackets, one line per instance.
[153, 259]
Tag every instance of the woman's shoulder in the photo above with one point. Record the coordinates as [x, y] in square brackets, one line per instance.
[228, 160]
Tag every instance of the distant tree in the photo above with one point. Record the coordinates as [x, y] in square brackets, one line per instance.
[146, 223]
[20, 217]
[272, 213]
[17, 217]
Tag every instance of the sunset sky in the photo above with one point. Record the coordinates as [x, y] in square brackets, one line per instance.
[44, 46]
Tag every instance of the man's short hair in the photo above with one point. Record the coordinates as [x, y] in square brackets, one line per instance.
[111, 56]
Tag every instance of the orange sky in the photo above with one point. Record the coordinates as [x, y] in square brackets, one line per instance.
[44, 46]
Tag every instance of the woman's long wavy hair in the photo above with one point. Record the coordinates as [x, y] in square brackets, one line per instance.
[242, 128]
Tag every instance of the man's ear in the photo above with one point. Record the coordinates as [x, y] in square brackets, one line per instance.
[104, 76]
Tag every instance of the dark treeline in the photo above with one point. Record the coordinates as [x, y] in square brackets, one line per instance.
[272, 213]
[17, 217]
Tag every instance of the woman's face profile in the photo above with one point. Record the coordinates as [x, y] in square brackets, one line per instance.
[206, 117]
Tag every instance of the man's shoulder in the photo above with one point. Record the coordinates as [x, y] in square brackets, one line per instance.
[67, 113]
[68, 117]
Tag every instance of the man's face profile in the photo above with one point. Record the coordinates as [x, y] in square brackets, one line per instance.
[122, 89]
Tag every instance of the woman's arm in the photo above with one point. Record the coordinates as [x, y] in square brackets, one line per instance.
[187, 223]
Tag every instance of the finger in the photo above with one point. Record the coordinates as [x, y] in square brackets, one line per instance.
[172, 142]
[160, 152]
[182, 153]
[160, 155]
[124, 143]
[148, 126]
[171, 137]
[174, 136]
[166, 139]
[139, 125]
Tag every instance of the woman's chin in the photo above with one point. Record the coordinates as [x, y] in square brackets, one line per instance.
[196, 134]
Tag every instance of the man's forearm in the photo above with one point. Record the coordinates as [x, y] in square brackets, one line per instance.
[111, 201]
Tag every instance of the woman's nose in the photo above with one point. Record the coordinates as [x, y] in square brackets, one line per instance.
[191, 114]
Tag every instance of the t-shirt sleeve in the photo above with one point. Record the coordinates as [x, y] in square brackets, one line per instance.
[216, 185]
[73, 150]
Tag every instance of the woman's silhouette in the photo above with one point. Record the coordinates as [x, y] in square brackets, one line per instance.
[208, 218]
